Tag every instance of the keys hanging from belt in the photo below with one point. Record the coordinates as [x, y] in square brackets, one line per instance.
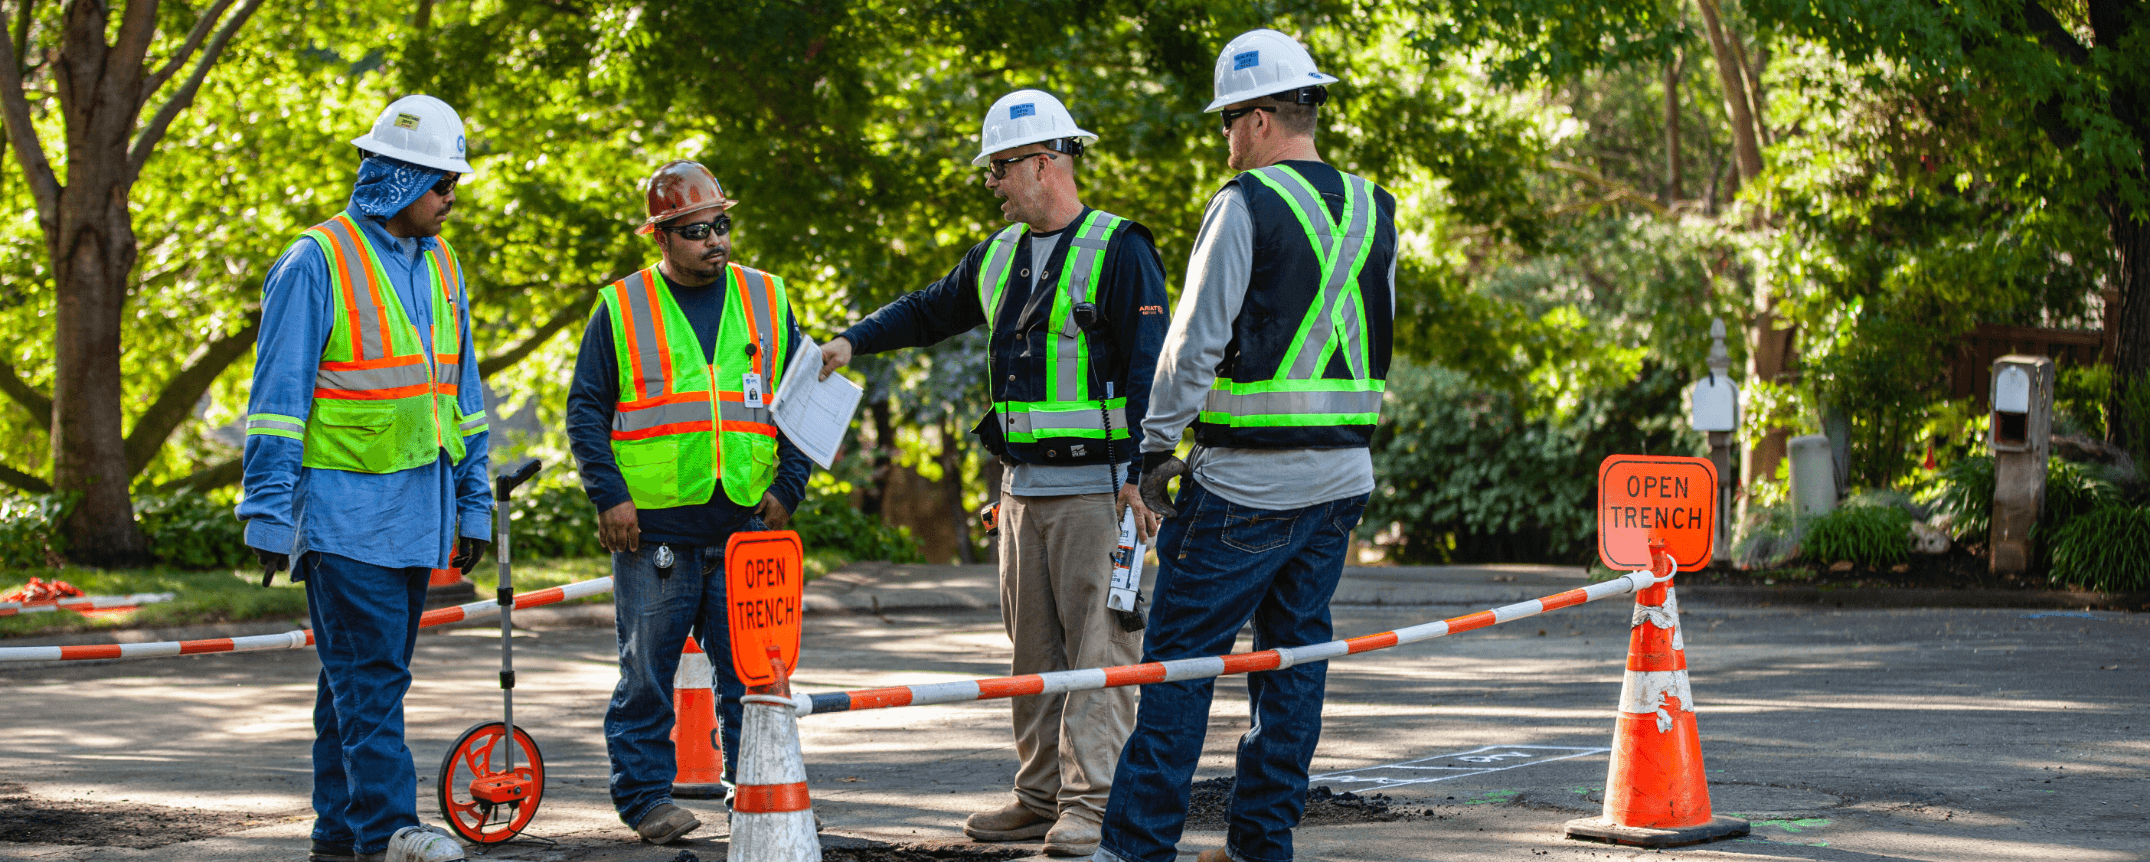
[664, 560]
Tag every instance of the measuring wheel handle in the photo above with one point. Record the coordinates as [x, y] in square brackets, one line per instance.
[481, 802]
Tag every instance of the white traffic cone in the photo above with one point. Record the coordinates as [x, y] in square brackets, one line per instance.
[772, 816]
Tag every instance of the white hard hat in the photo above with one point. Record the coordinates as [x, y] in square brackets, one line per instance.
[421, 130]
[1263, 63]
[1026, 117]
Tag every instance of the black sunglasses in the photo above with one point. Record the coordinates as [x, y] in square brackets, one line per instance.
[701, 230]
[1229, 116]
[999, 167]
[446, 184]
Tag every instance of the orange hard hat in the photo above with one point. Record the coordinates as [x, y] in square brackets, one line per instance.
[681, 187]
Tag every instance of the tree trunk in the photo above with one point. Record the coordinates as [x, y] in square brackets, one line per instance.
[1769, 359]
[93, 251]
[1673, 168]
[872, 498]
[952, 486]
[2128, 402]
[1746, 141]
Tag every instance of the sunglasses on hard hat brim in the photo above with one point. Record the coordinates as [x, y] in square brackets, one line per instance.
[700, 230]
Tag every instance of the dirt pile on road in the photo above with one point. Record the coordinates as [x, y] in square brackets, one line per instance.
[1211, 803]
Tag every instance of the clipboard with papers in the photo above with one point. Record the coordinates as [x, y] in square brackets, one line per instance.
[814, 414]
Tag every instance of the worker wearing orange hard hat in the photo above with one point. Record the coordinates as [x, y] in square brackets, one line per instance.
[669, 418]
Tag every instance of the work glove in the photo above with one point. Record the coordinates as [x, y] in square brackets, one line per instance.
[271, 563]
[468, 552]
[1157, 469]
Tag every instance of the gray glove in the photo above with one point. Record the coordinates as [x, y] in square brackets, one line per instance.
[1154, 476]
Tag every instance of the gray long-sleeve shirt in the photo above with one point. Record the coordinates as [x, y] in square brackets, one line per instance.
[1216, 287]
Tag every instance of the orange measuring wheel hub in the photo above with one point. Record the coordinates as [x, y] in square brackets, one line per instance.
[504, 788]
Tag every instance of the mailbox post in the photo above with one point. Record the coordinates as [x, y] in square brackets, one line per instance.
[1715, 411]
[2021, 435]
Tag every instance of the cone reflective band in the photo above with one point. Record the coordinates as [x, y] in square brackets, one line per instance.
[1656, 793]
[764, 587]
[696, 750]
[299, 639]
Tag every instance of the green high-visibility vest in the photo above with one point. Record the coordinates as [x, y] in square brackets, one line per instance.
[1300, 395]
[381, 403]
[682, 424]
[1070, 410]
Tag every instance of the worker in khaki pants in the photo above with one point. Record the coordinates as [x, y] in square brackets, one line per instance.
[1073, 300]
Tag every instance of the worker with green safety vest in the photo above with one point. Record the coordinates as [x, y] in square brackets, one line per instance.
[1073, 301]
[669, 417]
[1277, 357]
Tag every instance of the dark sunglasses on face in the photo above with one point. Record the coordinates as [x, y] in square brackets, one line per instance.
[701, 230]
[1229, 116]
[446, 184]
[999, 167]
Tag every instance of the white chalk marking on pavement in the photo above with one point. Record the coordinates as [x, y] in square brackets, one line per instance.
[1493, 757]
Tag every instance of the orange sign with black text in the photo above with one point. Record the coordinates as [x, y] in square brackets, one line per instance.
[1641, 496]
[764, 586]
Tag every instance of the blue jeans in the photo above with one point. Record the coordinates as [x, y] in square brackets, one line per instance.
[653, 617]
[1222, 564]
[365, 620]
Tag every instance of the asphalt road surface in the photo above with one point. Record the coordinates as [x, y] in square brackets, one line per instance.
[1842, 735]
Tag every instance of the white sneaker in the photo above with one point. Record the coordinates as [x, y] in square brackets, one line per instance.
[418, 844]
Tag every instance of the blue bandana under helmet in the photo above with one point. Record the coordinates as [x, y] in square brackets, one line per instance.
[386, 185]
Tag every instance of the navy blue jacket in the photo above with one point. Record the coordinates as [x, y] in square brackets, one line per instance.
[595, 394]
[1130, 293]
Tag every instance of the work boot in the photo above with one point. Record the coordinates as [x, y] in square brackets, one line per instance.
[323, 851]
[1214, 854]
[418, 844]
[1012, 822]
[1076, 834]
[666, 823]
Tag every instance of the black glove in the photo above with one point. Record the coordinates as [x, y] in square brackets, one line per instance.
[468, 552]
[1157, 469]
[271, 563]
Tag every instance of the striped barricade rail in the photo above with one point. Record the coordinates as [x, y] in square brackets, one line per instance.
[84, 603]
[1092, 679]
[299, 639]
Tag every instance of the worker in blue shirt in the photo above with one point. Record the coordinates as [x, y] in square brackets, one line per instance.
[669, 417]
[365, 463]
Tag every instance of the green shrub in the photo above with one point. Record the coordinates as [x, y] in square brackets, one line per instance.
[2071, 489]
[1874, 535]
[29, 534]
[1963, 490]
[1769, 538]
[827, 522]
[192, 530]
[554, 519]
[2107, 549]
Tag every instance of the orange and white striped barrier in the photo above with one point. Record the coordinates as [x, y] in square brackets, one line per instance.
[299, 639]
[1656, 794]
[696, 751]
[1092, 679]
[85, 604]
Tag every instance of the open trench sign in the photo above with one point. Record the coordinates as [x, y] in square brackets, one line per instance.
[1646, 496]
[764, 587]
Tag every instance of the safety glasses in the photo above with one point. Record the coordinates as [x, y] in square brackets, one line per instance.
[701, 230]
[1229, 116]
[446, 184]
[998, 169]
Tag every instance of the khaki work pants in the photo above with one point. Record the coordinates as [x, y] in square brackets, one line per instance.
[1055, 569]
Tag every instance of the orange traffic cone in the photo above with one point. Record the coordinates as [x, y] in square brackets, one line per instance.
[1655, 792]
[449, 587]
[695, 748]
[772, 816]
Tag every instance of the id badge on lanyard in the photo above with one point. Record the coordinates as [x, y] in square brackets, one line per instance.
[750, 385]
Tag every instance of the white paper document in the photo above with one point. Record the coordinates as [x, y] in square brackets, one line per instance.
[814, 413]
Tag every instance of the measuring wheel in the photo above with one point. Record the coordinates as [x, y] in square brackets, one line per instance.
[483, 798]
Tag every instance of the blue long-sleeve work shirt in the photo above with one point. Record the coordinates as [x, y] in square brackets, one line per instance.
[407, 519]
[595, 395]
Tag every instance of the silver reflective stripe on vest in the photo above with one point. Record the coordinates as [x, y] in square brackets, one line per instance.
[1337, 254]
[642, 322]
[662, 414]
[275, 425]
[1290, 403]
[395, 377]
[999, 255]
[367, 340]
[758, 302]
[1086, 247]
[738, 411]
[472, 423]
[1042, 423]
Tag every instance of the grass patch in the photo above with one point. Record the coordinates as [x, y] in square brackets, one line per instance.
[216, 596]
